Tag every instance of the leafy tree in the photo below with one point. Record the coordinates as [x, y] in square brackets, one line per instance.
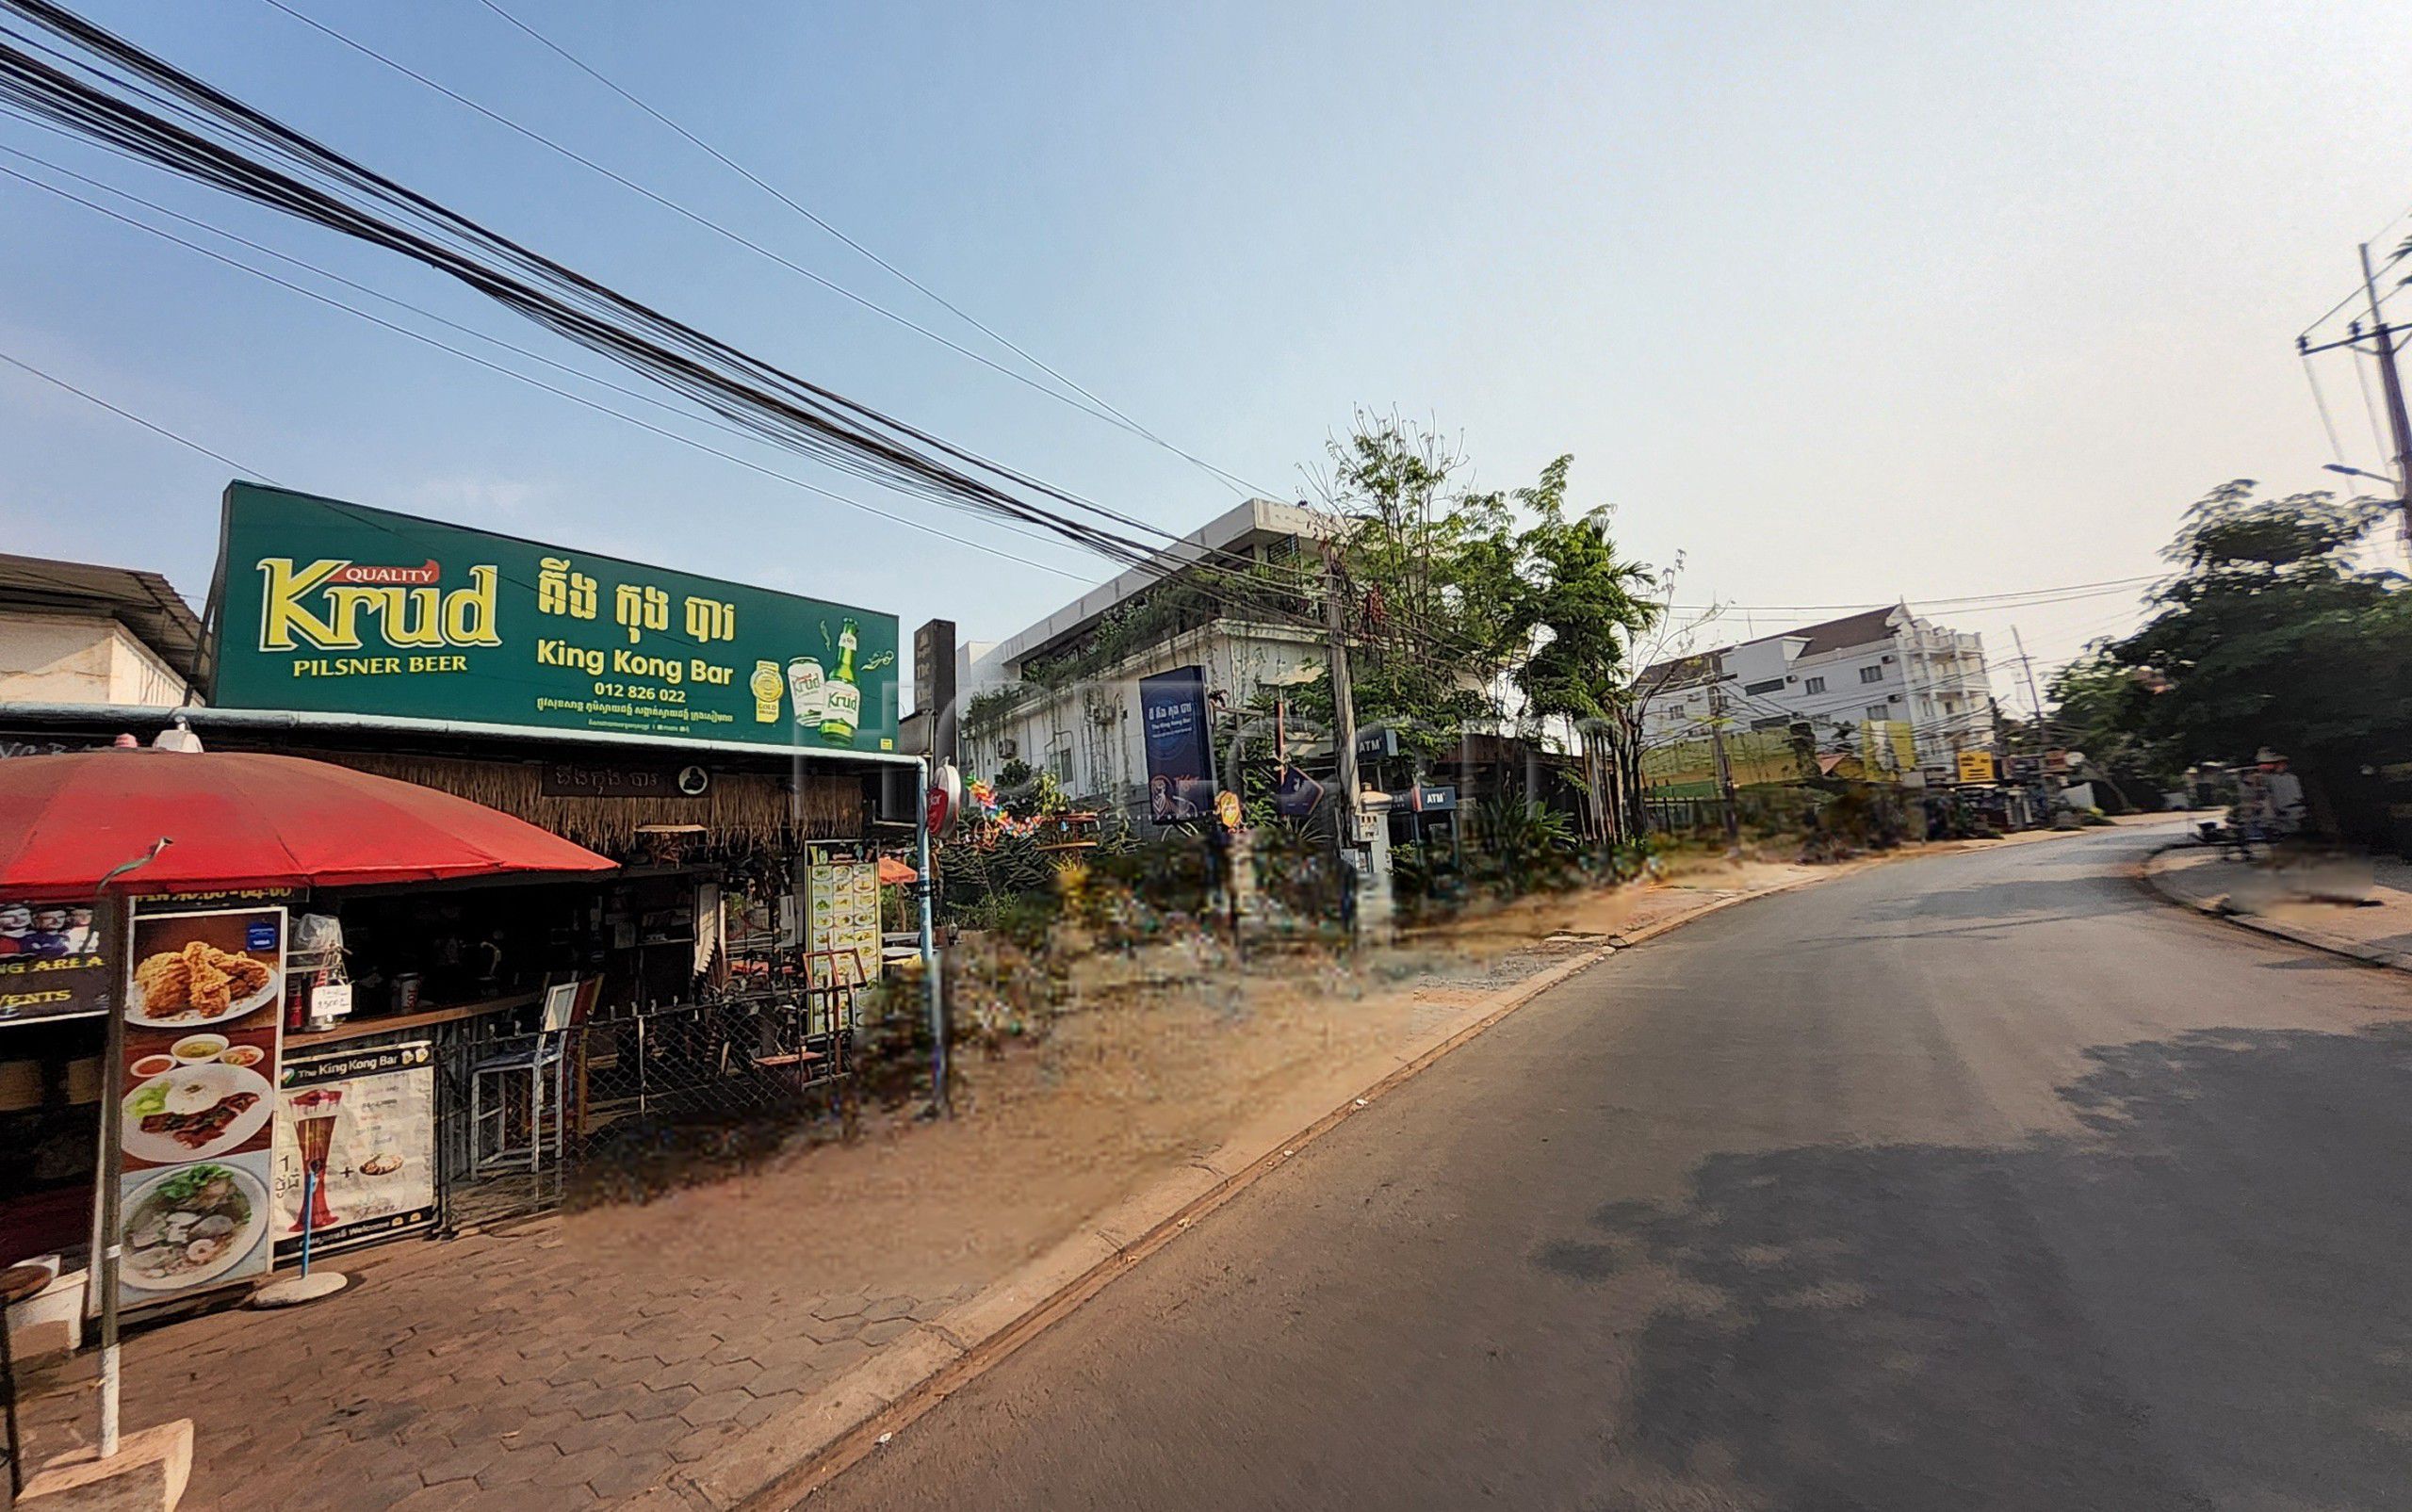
[1580, 606]
[2274, 632]
[1458, 594]
[1428, 569]
[2101, 706]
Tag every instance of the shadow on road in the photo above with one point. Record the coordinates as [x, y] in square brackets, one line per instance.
[2202, 1301]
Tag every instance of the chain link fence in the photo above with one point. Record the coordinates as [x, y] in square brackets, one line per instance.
[634, 1103]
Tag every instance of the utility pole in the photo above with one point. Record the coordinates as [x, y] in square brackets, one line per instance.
[2037, 734]
[1725, 768]
[2027, 667]
[2396, 421]
[1343, 697]
[1370, 858]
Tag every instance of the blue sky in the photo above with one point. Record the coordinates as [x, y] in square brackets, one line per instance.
[1837, 302]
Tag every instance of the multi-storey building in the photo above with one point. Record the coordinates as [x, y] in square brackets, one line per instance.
[1062, 696]
[1884, 666]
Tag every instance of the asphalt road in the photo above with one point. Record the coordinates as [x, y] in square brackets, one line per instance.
[1978, 1181]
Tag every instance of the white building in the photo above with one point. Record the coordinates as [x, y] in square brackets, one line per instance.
[1885, 665]
[73, 633]
[1062, 696]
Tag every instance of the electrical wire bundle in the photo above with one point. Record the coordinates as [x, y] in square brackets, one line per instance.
[106, 90]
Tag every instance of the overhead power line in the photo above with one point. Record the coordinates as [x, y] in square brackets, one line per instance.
[123, 111]
[1976, 603]
[454, 325]
[2336, 448]
[677, 208]
[151, 426]
[916, 285]
[2359, 294]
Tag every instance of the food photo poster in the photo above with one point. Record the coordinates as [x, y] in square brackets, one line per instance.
[197, 1099]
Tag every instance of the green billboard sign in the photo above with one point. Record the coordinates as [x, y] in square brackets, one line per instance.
[325, 607]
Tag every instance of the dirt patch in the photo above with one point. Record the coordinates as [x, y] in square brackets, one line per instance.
[1159, 1056]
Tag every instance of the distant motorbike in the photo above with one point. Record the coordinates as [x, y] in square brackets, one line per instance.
[2236, 839]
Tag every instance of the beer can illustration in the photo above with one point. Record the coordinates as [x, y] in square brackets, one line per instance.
[807, 689]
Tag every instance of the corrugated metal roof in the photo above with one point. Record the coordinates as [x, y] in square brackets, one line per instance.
[143, 602]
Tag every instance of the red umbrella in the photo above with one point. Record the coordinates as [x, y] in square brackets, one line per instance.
[893, 872]
[241, 819]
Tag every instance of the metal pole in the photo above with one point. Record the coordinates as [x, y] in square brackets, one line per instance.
[1343, 709]
[309, 1204]
[2393, 384]
[931, 971]
[1343, 695]
[120, 921]
[2034, 699]
[112, 1164]
[1725, 768]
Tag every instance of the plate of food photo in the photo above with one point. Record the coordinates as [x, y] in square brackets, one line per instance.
[194, 1112]
[198, 984]
[190, 1226]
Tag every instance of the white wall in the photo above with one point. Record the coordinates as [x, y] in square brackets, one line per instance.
[1095, 727]
[1927, 676]
[80, 658]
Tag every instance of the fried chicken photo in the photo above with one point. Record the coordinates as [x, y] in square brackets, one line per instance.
[212, 988]
[166, 982]
[200, 979]
[248, 975]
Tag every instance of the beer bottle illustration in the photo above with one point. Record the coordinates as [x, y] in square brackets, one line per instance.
[764, 685]
[841, 699]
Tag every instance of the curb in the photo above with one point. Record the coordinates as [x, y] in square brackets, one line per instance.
[2368, 955]
[781, 1462]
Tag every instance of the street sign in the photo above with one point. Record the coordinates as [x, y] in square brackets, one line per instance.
[1976, 766]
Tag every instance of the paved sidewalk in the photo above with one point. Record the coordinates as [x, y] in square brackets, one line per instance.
[2356, 906]
[522, 1371]
[579, 1360]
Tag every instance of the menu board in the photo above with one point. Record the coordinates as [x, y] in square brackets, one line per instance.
[841, 914]
[196, 1098]
[361, 1125]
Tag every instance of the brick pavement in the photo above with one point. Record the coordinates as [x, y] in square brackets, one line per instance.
[494, 1370]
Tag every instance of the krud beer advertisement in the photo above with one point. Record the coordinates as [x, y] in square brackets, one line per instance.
[335, 608]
